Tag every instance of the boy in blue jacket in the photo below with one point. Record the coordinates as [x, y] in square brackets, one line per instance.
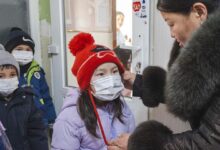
[21, 45]
[19, 116]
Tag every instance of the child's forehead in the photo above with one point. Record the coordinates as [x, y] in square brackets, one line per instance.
[23, 46]
[8, 68]
[107, 65]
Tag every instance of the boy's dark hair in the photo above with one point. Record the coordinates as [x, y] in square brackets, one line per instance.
[184, 6]
[8, 66]
[87, 114]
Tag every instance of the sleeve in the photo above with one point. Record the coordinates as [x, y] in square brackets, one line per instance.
[65, 136]
[130, 122]
[137, 86]
[36, 130]
[4, 141]
[150, 86]
[43, 98]
[157, 136]
[206, 137]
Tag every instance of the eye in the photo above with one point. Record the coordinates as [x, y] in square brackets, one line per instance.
[99, 74]
[13, 75]
[19, 49]
[171, 25]
[2, 76]
[115, 71]
[28, 49]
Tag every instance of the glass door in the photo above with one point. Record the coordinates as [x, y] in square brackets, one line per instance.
[69, 18]
[93, 16]
[97, 17]
[17, 15]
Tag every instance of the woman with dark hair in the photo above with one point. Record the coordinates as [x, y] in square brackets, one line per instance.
[96, 113]
[125, 55]
[190, 89]
[175, 51]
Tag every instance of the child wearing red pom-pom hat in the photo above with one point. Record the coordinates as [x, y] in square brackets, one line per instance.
[96, 112]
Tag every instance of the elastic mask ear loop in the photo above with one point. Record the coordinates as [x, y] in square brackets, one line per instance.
[97, 116]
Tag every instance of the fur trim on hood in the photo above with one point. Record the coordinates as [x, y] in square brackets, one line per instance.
[195, 75]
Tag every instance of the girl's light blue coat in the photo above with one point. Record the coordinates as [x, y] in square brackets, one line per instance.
[70, 132]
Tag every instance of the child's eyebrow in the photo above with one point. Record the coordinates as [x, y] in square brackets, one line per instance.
[101, 69]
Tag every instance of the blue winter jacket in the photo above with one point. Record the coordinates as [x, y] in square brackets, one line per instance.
[34, 76]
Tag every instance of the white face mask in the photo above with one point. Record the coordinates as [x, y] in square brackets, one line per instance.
[23, 57]
[107, 88]
[7, 86]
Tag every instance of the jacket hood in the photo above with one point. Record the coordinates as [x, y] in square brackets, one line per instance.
[70, 98]
[195, 74]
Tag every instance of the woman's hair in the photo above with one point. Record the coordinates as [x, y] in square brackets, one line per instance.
[87, 114]
[125, 55]
[184, 6]
[174, 53]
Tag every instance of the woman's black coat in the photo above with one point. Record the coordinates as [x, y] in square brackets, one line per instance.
[192, 93]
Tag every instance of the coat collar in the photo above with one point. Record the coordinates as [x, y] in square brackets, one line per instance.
[19, 95]
[195, 74]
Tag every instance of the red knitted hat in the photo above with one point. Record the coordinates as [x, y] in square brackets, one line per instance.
[88, 56]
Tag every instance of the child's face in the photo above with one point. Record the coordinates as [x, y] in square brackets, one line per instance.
[106, 84]
[7, 73]
[105, 69]
[23, 54]
[23, 48]
[8, 80]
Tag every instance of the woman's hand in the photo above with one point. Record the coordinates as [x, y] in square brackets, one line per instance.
[128, 79]
[120, 143]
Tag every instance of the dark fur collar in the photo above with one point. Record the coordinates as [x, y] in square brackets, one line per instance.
[195, 74]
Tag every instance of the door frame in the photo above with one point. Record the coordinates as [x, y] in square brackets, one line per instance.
[35, 27]
[58, 60]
